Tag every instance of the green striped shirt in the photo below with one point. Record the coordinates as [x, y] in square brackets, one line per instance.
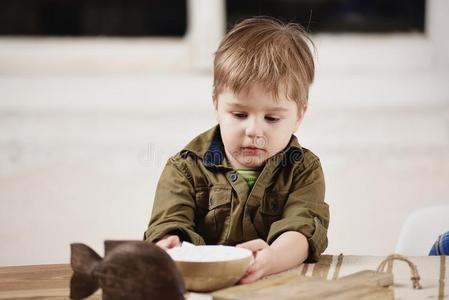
[250, 175]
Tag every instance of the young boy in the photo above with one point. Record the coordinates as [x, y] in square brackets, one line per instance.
[247, 181]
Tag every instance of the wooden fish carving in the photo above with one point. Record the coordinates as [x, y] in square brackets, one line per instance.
[130, 270]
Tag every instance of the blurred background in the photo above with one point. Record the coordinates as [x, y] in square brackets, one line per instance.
[96, 95]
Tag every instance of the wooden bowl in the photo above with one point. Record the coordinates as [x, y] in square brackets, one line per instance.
[210, 268]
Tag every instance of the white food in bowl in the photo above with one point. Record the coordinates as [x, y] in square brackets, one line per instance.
[208, 253]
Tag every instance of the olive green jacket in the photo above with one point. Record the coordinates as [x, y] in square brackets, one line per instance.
[202, 199]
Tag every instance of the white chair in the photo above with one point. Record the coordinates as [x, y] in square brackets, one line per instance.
[421, 229]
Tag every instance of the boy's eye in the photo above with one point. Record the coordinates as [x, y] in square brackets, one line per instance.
[239, 115]
[272, 119]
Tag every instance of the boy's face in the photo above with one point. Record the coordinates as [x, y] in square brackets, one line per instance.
[254, 126]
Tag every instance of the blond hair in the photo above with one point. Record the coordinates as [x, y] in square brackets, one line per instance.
[265, 51]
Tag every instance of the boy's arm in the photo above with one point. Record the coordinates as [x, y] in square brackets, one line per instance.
[174, 206]
[275, 258]
[305, 210]
[282, 249]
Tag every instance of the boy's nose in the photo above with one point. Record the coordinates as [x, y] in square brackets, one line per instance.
[253, 129]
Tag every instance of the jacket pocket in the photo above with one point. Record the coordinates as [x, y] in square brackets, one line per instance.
[270, 211]
[215, 222]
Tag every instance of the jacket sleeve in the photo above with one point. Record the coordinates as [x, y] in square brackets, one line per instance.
[174, 205]
[305, 210]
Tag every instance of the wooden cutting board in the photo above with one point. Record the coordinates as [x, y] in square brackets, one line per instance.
[365, 285]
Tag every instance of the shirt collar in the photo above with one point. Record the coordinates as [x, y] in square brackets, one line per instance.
[214, 156]
[208, 147]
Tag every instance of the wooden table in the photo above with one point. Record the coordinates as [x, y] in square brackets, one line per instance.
[52, 281]
[36, 282]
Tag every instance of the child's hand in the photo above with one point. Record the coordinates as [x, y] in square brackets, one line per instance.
[169, 241]
[263, 258]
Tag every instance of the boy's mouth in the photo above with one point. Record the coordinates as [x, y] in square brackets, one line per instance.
[252, 150]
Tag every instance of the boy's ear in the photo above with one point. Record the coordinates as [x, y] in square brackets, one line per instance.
[301, 112]
[215, 104]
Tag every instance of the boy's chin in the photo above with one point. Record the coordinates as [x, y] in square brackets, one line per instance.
[252, 163]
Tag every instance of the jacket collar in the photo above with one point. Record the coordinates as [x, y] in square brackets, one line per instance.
[208, 146]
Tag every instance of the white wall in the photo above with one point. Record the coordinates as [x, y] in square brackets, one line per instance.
[84, 135]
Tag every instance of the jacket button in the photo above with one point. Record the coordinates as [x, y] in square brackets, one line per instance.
[211, 201]
[274, 206]
[233, 177]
